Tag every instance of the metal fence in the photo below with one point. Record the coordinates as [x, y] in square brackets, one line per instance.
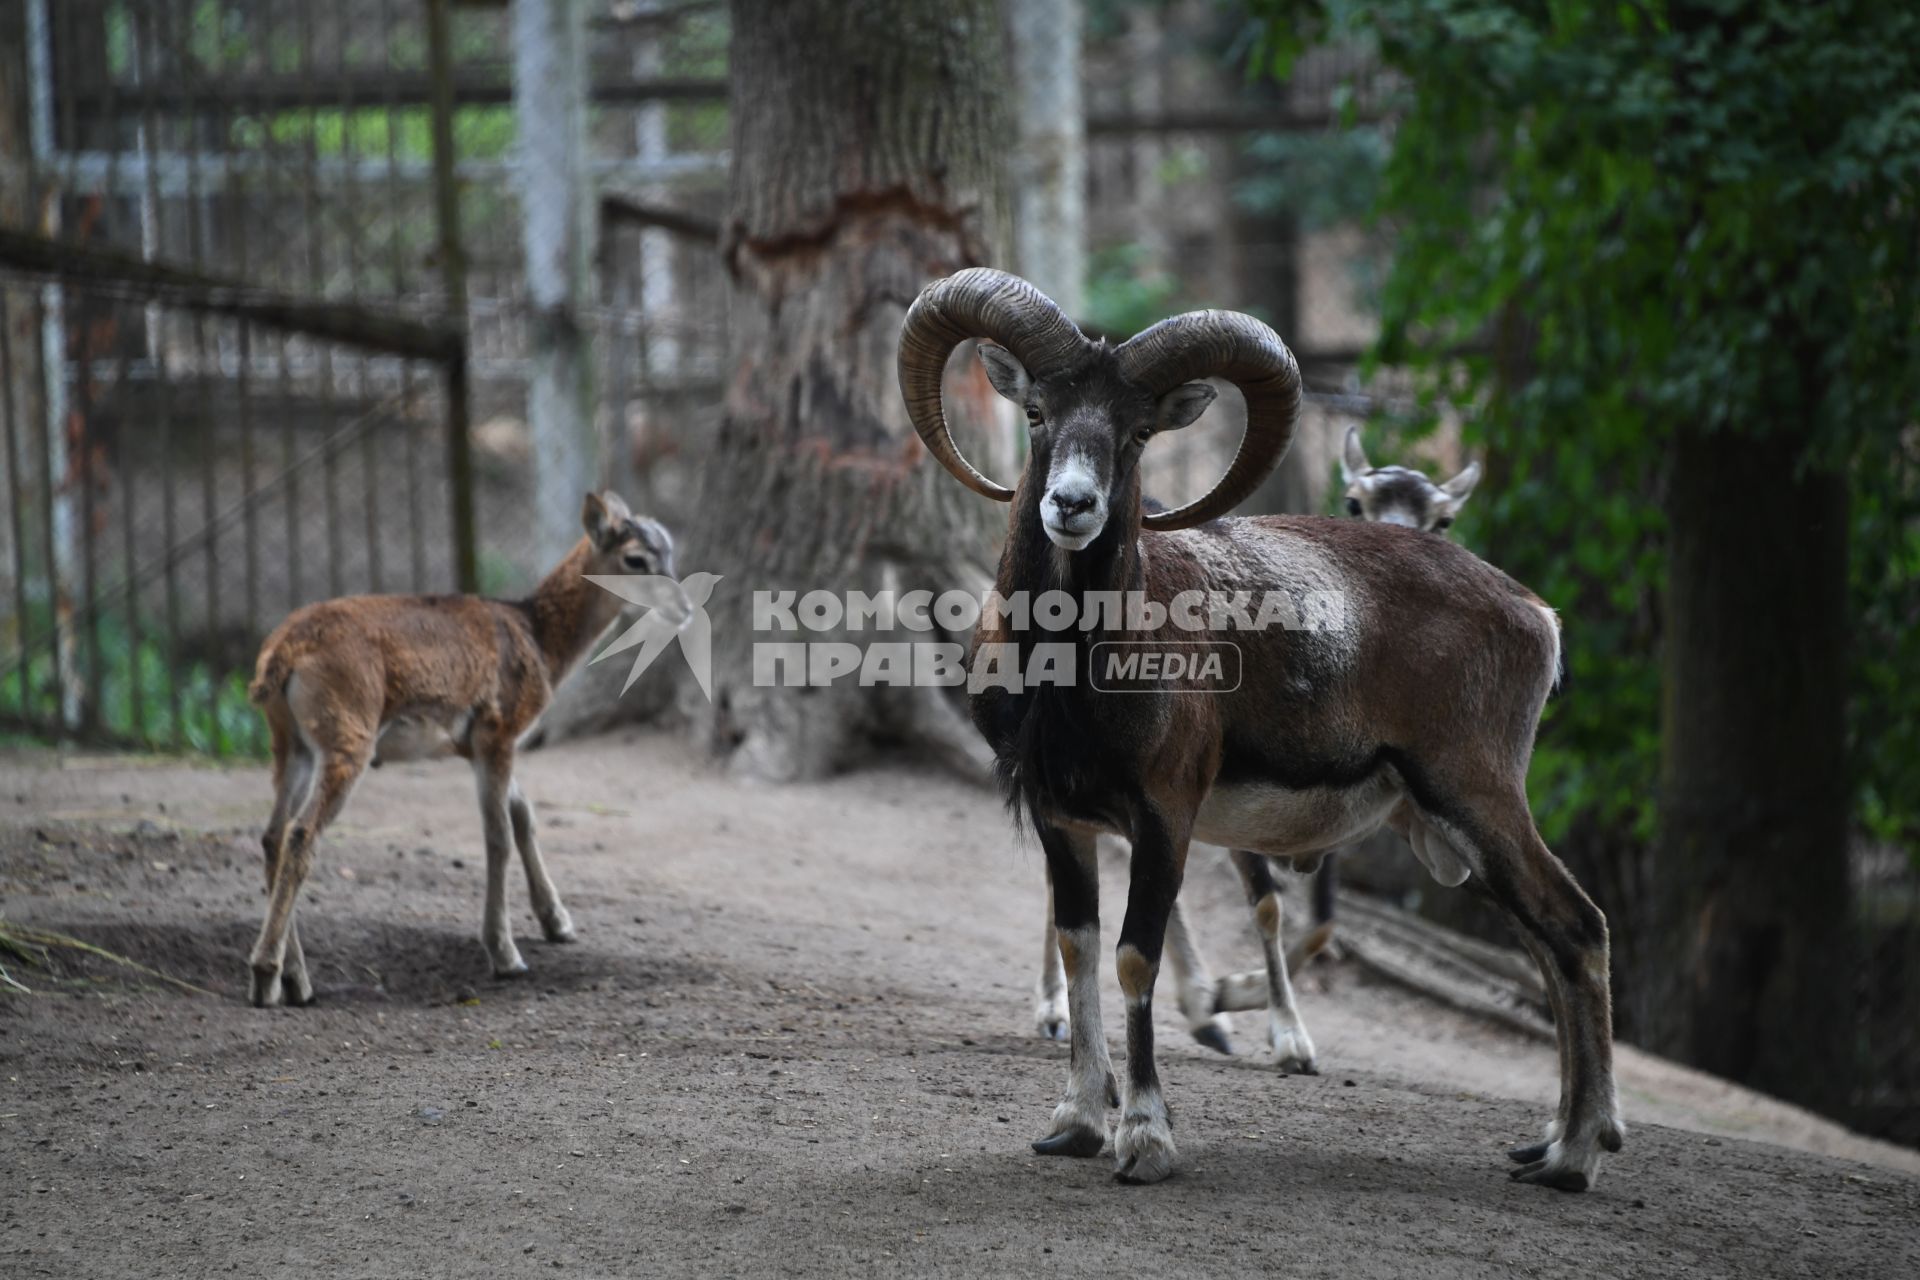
[267, 325]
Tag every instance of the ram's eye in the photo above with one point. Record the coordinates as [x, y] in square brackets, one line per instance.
[1033, 415]
[1143, 435]
[1353, 506]
[1444, 522]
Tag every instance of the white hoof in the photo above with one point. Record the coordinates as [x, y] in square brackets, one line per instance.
[296, 988]
[1292, 1046]
[1050, 1018]
[559, 926]
[1143, 1149]
[506, 959]
[265, 990]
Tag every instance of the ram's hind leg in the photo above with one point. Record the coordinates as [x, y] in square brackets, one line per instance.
[1079, 1126]
[1286, 1032]
[1567, 935]
[553, 917]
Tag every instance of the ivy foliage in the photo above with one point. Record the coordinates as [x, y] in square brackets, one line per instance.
[1613, 219]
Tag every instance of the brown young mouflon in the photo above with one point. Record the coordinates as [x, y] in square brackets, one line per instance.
[364, 679]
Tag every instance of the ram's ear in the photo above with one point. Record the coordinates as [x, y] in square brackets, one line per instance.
[1353, 459]
[1007, 374]
[1182, 405]
[1461, 485]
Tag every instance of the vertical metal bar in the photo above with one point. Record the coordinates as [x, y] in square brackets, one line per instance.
[216, 736]
[129, 550]
[83, 691]
[409, 436]
[409, 401]
[93, 692]
[16, 487]
[148, 146]
[238, 197]
[360, 218]
[58, 518]
[317, 285]
[349, 179]
[48, 480]
[169, 564]
[369, 484]
[147, 70]
[289, 452]
[250, 511]
[453, 274]
[203, 395]
[396, 202]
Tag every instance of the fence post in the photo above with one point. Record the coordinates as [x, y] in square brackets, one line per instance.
[453, 279]
[559, 218]
[58, 516]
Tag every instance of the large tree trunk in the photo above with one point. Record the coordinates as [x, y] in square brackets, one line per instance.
[1750, 873]
[867, 141]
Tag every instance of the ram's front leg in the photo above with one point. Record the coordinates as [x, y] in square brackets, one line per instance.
[1143, 1147]
[1079, 1125]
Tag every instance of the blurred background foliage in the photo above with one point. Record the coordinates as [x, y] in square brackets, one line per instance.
[1602, 218]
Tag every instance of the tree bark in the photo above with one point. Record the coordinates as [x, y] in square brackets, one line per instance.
[1750, 873]
[559, 225]
[868, 140]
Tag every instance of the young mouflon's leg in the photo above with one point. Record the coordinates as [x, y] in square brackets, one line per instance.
[1050, 1016]
[1143, 1146]
[1286, 1032]
[1079, 1126]
[493, 773]
[338, 770]
[1193, 985]
[293, 773]
[553, 917]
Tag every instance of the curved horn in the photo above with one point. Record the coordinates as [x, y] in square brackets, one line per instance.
[1221, 344]
[976, 303]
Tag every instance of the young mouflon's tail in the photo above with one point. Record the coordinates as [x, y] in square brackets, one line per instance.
[270, 675]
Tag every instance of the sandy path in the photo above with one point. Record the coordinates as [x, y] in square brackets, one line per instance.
[792, 1040]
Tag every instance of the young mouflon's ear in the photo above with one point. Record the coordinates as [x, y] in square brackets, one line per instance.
[603, 515]
[593, 516]
[1461, 485]
[1007, 374]
[1353, 459]
[1180, 406]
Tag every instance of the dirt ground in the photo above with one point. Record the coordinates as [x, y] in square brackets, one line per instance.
[793, 1040]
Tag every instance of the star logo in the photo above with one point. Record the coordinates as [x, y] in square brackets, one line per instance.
[675, 611]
